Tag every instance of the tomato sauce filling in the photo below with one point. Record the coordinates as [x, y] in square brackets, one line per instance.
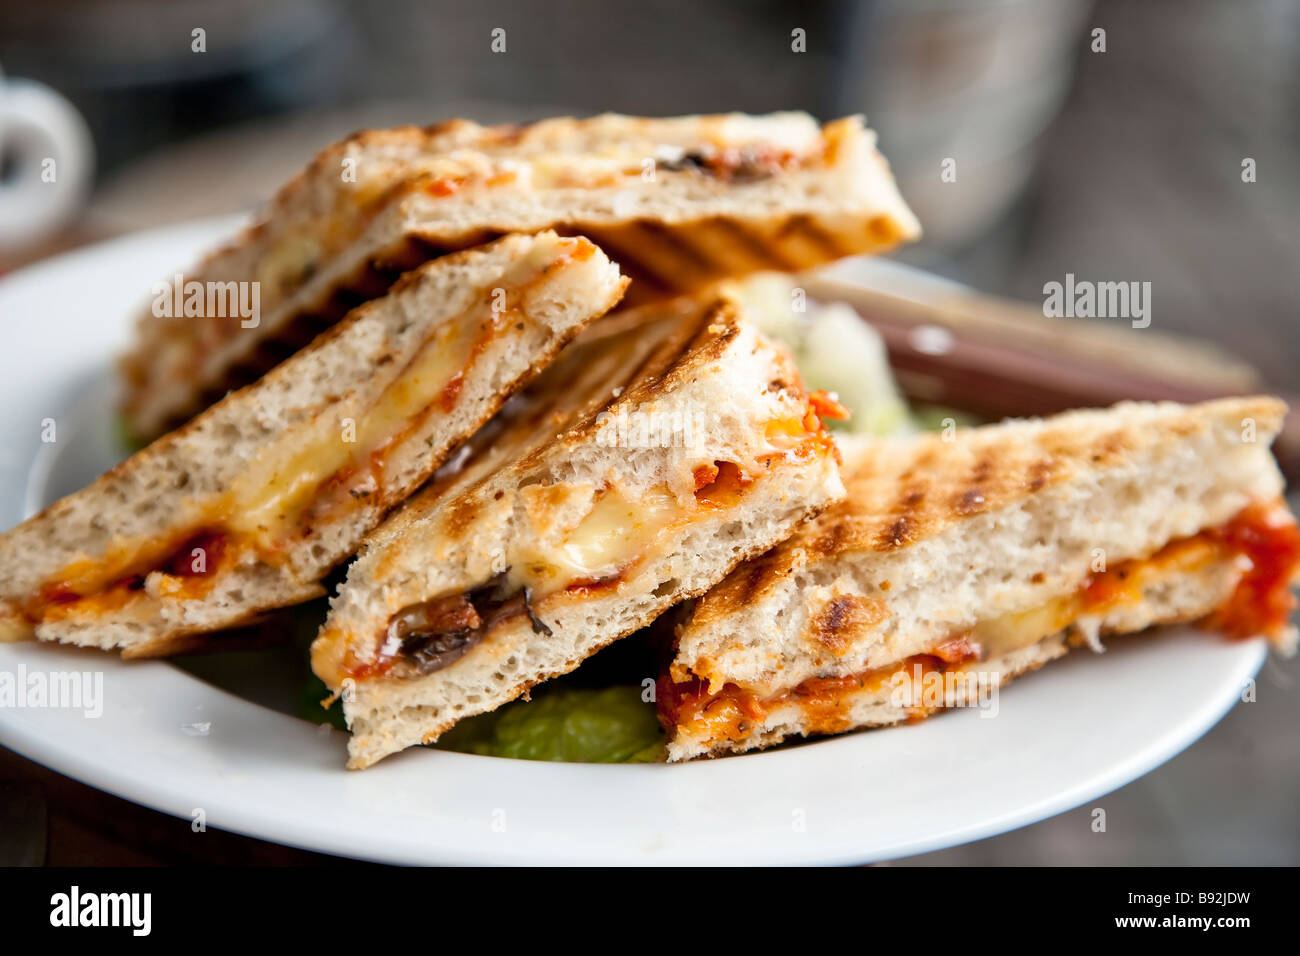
[190, 566]
[807, 436]
[1261, 604]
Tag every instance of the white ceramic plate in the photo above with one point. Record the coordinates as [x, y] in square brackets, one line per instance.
[1074, 731]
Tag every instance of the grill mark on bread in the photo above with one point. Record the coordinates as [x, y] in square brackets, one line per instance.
[983, 466]
[896, 535]
[692, 254]
[832, 539]
[1039, 473]
[911, 498]
[554, 391]
[1109, 446]
[683, 349]
[622, 248]
[761, 251]
[837, 626]
[922, 464]
[805, 226]
[673, 356]
[665, 241]
[647, 375]
[754, 577]
[971, 500]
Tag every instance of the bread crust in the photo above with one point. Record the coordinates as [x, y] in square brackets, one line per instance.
[321, 397]
[677, 231]
[937, 534]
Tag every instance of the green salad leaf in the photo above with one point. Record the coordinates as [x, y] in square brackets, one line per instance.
[577, 725]
[125, 437]
[309, 704]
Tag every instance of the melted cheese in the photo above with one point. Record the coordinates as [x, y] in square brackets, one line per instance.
[613, 535]
[1104, 592]
[286, 477]
[271, 495]
[268, 496]
[1012, 632]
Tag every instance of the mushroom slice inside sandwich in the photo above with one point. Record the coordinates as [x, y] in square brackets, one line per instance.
[248, 506]
[952, 566]
[664, 447]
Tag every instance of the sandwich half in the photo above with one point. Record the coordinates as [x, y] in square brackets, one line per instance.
[663, 448]
[678, 202]
[982, 556]
[248, 506]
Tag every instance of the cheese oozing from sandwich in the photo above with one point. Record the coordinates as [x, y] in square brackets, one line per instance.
[609, 538]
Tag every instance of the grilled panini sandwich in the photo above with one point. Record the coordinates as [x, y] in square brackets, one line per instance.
[677, 202]
[982, 557]
[664, 447]
[249, 505]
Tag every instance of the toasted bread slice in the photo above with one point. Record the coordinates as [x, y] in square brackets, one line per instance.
[653, 456]
[247, 507]
[969, 547]
[678, 202]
